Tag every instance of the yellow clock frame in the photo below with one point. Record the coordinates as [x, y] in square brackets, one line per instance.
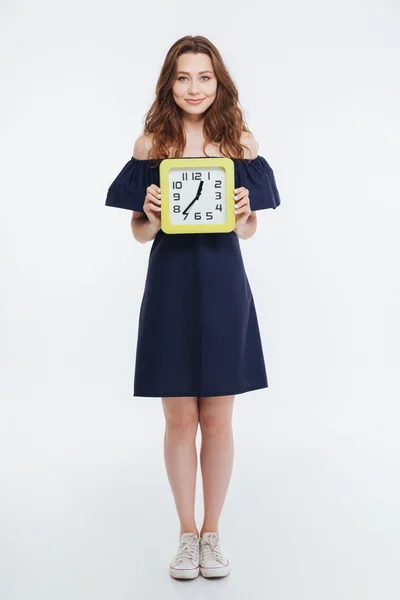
[192, 162]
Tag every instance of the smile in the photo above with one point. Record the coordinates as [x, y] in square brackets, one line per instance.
[195, 101]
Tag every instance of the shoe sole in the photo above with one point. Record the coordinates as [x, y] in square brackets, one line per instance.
[215, 571]
[184, 573]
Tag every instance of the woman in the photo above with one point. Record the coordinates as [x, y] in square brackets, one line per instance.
[198, 340]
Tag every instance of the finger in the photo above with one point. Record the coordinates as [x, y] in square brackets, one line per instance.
[243, 210]
[241, 203]
[153, 207]
[153, 188]
[150, 204]
[240, 195]
[153, 191]
[153, 199]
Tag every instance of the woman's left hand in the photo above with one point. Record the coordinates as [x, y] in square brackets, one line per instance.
[242, 207]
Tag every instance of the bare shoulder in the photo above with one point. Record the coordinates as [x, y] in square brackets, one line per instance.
[141, 150]
[250, 145]
[142, 146]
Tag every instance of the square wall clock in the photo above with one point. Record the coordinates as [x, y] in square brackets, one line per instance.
[197, 194]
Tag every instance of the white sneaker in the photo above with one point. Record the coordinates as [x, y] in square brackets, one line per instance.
[185, 563]
[213, 562]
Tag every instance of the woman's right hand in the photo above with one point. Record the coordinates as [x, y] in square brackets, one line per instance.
[152, 203]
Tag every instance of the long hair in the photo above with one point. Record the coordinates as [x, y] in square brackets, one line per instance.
[223, 120]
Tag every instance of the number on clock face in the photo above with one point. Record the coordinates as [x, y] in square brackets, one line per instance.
[197, 195]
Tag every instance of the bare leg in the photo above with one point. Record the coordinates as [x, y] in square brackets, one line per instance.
[180, 454]
[216, 455]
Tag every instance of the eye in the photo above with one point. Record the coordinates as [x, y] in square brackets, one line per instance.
[183, 77]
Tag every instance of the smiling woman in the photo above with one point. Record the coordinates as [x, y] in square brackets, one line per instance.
[198, 342]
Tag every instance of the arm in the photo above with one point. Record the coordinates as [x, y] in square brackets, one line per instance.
[245, 230]
[143, 230]
[249, 228]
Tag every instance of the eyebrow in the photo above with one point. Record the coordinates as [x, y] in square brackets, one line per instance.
[200, 72]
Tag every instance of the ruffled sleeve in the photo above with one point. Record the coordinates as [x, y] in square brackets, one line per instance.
[128, 190]
[257, 176]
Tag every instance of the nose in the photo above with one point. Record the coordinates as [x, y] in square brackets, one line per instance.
[193, 89]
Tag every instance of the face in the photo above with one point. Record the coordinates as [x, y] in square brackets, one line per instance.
[194, 79]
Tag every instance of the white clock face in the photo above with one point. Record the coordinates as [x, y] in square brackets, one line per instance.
[197, 195]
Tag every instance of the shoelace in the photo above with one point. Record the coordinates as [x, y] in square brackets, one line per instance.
[210, 550]
[188, 550]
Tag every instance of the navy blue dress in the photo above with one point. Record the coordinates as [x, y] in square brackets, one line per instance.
[198, 332]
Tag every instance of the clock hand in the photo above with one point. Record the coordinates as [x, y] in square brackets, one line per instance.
[191, 204]
[197, 196]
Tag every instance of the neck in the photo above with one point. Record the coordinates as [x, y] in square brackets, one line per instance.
[193, 124]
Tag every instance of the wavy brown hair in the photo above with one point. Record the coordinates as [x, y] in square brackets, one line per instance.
[223, 120]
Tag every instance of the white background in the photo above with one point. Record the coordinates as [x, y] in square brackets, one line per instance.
[86, 511]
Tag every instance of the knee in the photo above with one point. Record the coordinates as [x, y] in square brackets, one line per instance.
[215, 425]
[182, 423]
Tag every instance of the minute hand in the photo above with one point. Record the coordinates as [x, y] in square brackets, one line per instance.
[197, 196]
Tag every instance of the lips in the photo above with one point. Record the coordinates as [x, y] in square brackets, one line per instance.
[195, 101]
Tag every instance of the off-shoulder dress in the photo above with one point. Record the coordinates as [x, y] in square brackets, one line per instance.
[198, 332]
